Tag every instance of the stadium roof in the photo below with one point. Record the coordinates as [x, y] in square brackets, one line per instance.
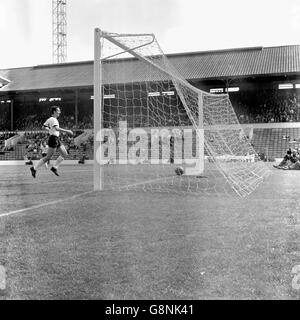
[3, 81]
[205, 65]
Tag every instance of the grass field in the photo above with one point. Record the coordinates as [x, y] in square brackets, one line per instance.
[61, 240]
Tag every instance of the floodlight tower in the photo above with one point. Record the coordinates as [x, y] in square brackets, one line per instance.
[59, 31]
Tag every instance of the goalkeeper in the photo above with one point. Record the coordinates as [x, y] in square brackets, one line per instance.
[285, 160]
[290, 160]
[294, 163]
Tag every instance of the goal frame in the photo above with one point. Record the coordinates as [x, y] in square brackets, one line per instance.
[98, 107]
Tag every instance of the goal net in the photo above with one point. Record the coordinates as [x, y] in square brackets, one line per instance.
[154, 131]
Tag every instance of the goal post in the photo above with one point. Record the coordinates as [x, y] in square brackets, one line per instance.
[98, 109]
[198, 167]
[148, 120]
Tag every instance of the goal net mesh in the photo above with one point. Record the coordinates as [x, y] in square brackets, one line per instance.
[154, 121]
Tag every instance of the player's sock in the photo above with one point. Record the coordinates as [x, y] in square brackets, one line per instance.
[39, 164]
[58, 161]
[46, 165]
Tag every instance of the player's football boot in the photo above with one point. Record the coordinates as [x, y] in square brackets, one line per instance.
[33, 171]
[54, 170]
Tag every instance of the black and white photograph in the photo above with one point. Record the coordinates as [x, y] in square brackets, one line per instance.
[149, 150]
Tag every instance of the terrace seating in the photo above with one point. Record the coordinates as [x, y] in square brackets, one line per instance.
[30, 143]
[275, 142]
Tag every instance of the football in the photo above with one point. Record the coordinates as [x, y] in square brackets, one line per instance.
[179, 171]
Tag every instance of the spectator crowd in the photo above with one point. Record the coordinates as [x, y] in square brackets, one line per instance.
[267, 106]
[259, 106]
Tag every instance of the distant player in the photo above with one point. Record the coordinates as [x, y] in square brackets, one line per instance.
[52, 126]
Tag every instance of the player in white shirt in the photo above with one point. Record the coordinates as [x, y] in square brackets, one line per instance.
[54, 143]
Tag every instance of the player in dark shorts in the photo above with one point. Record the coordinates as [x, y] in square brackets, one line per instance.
[54, 143]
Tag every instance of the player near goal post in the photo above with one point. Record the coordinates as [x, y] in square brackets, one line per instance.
[54, 143]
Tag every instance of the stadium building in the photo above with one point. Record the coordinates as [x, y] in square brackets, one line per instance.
[263, 84]
[3, 81]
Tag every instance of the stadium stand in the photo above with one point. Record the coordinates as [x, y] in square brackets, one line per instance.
[256, 72]
[274, 142]
[267, 106]
[29, 146]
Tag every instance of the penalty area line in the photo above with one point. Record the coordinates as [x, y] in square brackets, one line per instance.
[10, 213]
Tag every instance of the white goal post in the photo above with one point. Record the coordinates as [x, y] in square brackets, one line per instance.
[148, 120]
[98, 110]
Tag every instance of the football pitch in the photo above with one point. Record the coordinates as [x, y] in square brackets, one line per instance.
[62, 240]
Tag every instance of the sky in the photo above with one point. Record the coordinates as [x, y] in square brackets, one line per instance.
[179, 25]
